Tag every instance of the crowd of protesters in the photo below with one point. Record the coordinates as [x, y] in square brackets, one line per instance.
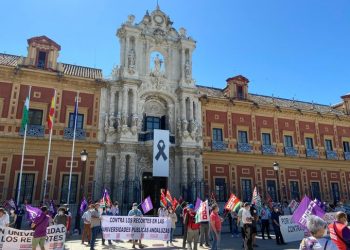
[244, 224]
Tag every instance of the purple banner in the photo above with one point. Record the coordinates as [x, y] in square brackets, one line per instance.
[147, 205]
[198, 204]
[306, 208]
[33, 212]
[83, 206]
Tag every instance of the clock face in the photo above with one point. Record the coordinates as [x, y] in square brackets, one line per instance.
[158, 19]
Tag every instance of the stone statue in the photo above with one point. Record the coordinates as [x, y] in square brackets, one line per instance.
[131, 61]
[157, 65]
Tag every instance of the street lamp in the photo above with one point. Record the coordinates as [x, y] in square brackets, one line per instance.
[83, 157]
[276, 167]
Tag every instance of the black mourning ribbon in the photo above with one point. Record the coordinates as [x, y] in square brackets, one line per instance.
[161, 147]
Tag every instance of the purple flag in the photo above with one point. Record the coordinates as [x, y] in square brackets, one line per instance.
[147, 205]
[83, 205]
[52, 208]
[306, 208]
[33, 212]
[198, 204]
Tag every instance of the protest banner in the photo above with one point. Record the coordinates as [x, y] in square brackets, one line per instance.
[290, 231]
[202, 213]
[133, 227]
[14, 239]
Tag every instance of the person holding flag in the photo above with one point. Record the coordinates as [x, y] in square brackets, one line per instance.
[173, 218]
[40, 225]
[192, 228]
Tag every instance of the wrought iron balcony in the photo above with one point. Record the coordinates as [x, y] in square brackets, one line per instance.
[290, 151]
[34, 131]
[244, 147]
[69, 133]
[331, 155]
[268, 149]
[312, 153]
[347, 156]
[218, 145]
[149, 136]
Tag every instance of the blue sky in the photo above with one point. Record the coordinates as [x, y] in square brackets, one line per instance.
[296, 48]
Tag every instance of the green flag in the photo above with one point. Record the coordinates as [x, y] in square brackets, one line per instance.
[25, 113]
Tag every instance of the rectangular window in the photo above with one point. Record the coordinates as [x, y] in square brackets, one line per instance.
[294, 190]
[335, 192]
[266, 139]
[240, 93]
[217, 134]
[220, 189]
[73, 189]
[152, 123]
[315, 190]
[271, 189]
[35, 117]
[309, 143]
[242, 137]
[80, 121]
[247, 189]
[288, 141]
[328, 145]
[346, 146]
[41, 60]
[27, 188]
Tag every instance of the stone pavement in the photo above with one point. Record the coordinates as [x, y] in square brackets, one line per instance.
[227, 243]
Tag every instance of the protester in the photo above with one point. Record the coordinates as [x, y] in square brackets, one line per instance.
[265, 221]
[286, 209]
[173, 218]
[12, 218]
[20, 212]
[69, 218]
[192, 228]
[95, 225]
[87, 225]
[135, 212]
[184, 237]
[276, 226]
[4, 218]
[255, 216]
[247, 220]
[204, 233]
[39, 225]
[340, 232]
[162, 212]
[318, 228]
[240, 224]
[235, 231]
[115, 209]
[340, 207]
[215, 225]
[61, 217]
[106, 211]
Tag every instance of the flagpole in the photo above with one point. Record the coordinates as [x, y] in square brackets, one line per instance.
[49, 150]
[71, 161]
[23, 149]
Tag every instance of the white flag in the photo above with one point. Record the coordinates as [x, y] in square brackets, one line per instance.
[161, 153]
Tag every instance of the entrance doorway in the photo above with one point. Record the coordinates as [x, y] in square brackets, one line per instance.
[151, 186]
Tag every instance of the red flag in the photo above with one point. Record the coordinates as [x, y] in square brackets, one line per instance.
[163, 201]
[212, 198]
[51, 113]
[269, 200]
[175, 203]
[168, 197]
[232, 203]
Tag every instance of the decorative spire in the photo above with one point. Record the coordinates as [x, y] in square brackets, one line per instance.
[158, 5]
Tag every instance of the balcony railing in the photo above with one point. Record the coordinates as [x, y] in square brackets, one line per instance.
[347, 156]
[34, 131]
[244, 147]
[149, 136]
[69, 133]
[219, 145]
[268, 149]
[312, 153]
[331, 155]
[290, 151]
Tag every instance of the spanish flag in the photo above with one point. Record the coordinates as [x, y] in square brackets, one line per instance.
[51, 113]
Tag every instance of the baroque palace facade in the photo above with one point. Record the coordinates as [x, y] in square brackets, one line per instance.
[41, 70]
[246, 135]
[222, 140]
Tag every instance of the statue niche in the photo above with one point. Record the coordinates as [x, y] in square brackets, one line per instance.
[157, 68]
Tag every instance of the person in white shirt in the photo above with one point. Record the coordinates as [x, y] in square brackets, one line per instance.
[87, 225]
[4, 218]
[162, 212]
[247, 219]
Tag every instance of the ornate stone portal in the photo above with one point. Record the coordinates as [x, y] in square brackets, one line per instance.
[151, 88]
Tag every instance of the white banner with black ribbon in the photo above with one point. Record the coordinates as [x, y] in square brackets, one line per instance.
[161, 153]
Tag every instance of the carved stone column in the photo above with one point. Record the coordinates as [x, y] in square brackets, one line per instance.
[134, 113]
[111, 109]
[184, 170]
[125, 107]
[108, 173]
